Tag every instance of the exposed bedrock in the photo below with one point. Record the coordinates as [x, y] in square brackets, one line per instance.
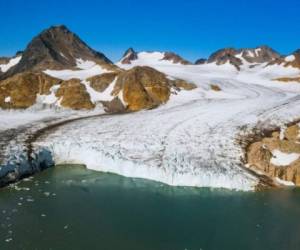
[277, 155]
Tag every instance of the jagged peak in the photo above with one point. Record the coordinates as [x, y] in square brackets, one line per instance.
[56, 48]
[129, 51]
[129, 56]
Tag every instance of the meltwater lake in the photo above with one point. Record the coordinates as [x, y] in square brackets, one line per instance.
[70, 207]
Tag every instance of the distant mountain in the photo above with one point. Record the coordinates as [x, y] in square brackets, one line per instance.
[131, 56]
[292, 60]
[227, 55]
[262, 54]
[56, 48]
[200, 61]
[174, 58]
[240, 57]
[58, 69]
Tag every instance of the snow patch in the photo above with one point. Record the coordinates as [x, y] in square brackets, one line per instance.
[280, 158]
[97, 96]
[87, 69]
[282, 132]
[12, 62]
[81, 64]
[7, 99]
[250, 53]
[48, 99]
[290, 58]
[257, 51]
[62, 54]
[285, 183]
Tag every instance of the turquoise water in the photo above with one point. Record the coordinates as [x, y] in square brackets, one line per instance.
[69, 207]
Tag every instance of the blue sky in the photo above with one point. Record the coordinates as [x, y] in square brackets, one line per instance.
[191, 28]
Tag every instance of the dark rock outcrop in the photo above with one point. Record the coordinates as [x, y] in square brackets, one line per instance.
[129, 56]
[201, 61]
[262, 54]
[223, 56]
[170, 56]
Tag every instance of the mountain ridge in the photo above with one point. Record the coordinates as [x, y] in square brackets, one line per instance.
[55, 48]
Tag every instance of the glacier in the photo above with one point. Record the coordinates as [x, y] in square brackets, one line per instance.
[190, 141]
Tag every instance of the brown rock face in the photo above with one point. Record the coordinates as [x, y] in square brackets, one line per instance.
[281, 61]
[101, 82]
[215, 87]
[260, 54]
[226, 55]
[288, 79]
[181, 84]
[22, 89]
[143, 88]
[114, 106]
[259, 155]
[170, 56]
[56, 48]
[129, 56]
[73, 95]
[146, 88]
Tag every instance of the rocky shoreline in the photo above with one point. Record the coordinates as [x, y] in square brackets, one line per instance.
[273, 155]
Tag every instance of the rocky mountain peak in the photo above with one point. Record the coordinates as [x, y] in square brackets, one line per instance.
[292, 60]
[129, 55]
[56, 48]
[227, 55]
[261, 54]
[171, 56]
[238, 57]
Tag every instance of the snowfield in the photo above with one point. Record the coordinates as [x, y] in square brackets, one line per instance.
[85, 70]
[191, 140]
[12, 62]
[283, 159]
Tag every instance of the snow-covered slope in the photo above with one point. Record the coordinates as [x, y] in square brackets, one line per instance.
[190, 141]
[85, 69]
[144, 58]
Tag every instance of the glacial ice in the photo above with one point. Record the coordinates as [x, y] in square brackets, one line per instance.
[192, 139]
